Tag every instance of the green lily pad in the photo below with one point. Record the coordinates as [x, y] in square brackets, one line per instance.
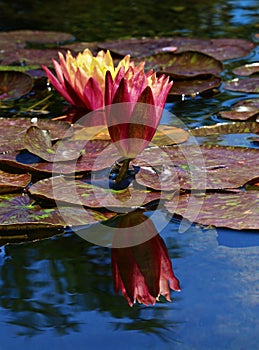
[247, 69]
[203, 167]
[38, 142]
[194, 87]
[81, 193]
[238, 211]
[18, 127]
[248, 85]
[13, 182]
[187, 64]
[20, 212]
[13, 84]
[226, 128]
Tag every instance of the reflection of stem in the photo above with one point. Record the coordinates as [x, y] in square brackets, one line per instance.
[123, 170]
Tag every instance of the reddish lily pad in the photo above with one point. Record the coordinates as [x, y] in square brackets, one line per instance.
[38, 142]
[242, 110]
[204, 167]
[247, 69]
[78, 192]
[194, 87]
[14, 85]
[187, 64]
[221, 49]
[13, 182]
[18, 126]
[248, 85]
[20, 212]
[238, 211]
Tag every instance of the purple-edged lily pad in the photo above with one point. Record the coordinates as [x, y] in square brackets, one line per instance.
[242, 110]
[187, 64]
[14, 85]
[204, 167]
[238, 211]
[82, 193]
[193, 87]
[247, 69]
[21, 212]
[248, 85]
[13, 182]
[18, 126]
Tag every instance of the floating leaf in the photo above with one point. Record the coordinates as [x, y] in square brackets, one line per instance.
[14, 85]
[204, 167]
[247, 69]
[249, 85]
[38, 142]
[169, 135]
[18, 126]
[226, 128]
[81, 193]
[20, 212]
[238, 211]
[187, 64]
[13, 182]
[194, 86]
[242, 110]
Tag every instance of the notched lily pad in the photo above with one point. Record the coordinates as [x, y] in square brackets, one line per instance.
[38, 142]
[247, 69]
[238, 211]
[13, 182]
[187, 64]
[78, 192]
[14, 84]
[21, 212]
[248, 85]
[193, 87]
[18, 126]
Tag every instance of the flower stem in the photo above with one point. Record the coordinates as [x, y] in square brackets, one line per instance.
[123, 170]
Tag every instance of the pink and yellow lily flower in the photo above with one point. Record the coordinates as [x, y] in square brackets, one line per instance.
[80, 80]
[134, 106]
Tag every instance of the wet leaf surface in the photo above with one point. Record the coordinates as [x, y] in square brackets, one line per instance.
[13, 182]
[247, 69]
[187, 64]
[18, 126]
[249, 85]
[82, 193]
[242, 110]
[238, 211]
[194, 87]
[14, 85]
[21, 212]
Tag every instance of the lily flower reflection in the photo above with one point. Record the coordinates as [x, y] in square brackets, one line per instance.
[80, 80]
[144, 271]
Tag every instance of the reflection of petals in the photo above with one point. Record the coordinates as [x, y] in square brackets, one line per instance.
[142, 272]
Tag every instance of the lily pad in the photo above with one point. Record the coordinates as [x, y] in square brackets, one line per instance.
[247, 69]
[248, 85]
[13, 84]
[226, 128]
[187, 64]
[20, 212]
[242, 110]
[82, 193]
[238, 211]
[194, 87]
[18, 126]
[13, 182]
[204, 167]
[38, 142]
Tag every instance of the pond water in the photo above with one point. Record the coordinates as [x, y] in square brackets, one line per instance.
[58, 293]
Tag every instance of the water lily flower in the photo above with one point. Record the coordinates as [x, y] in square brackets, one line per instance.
[134, 106]
[80, 80]
[142, 272]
